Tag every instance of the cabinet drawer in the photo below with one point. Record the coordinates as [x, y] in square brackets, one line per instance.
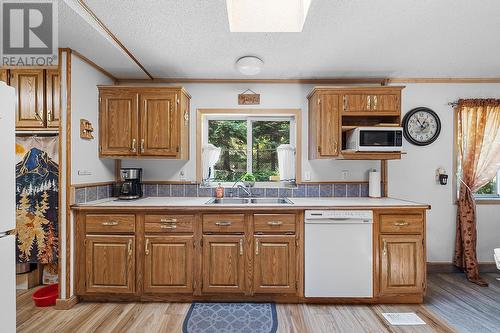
[223, 223]
[274, 222]
[168, 223]
[409, 223]
[109, 223]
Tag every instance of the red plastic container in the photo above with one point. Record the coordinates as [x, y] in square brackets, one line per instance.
[46, 296]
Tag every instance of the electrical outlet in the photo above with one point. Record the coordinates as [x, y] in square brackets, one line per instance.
[84, 173]
[182, 175]
[345, 174]
[307, 175]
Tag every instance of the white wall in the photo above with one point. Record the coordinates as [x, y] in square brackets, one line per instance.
[84, 104]
[272, 96]
[413, 177]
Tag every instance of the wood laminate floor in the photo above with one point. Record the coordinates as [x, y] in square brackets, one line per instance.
[453, 304]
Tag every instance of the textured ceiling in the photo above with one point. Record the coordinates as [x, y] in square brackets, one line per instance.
[341, 38]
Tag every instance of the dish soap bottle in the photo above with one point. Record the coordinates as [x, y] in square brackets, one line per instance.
[219, 192]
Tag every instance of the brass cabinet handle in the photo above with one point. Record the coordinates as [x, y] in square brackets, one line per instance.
[256, 247]
[146, 248]
[223, 223]
[133, 149]
[375, 100]
[49, 115]
[142, 145]
[384, 249]
[275, 223]
[335, 147]
[165, 220]
[369, 102]
[39, 118]
[168, 226]
[241, 246]
[109, 223]
[345, 103]
[129, 247]
[401, 223]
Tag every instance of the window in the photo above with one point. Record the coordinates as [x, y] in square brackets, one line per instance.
[248, 144]
[489, 191]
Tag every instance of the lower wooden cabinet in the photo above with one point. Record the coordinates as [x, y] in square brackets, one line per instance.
[168, 264]
[110, 264]
[223, 264]
[402, 265]
[274, 264]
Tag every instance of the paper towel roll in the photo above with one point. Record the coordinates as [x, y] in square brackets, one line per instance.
[374, 184]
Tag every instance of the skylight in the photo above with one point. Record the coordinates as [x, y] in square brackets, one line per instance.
[267, 15]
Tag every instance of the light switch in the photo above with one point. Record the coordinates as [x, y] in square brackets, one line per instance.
[84, 173]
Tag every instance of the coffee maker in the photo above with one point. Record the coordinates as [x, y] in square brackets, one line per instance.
[130, 185]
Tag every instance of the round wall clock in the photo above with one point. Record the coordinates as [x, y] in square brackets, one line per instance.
[421, 126]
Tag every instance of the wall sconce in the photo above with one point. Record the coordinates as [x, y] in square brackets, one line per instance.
[441, 176]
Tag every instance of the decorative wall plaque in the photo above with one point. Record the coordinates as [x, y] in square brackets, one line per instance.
[248, 99]
[86, 129]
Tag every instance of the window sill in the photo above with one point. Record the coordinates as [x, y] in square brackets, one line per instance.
[488, 201]
[280, 184]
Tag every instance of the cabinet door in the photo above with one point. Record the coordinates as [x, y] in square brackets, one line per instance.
[118, 128]
[168, 264]
[29, 97]
[223, 264]
[329, 125]
[159, 125]
[4, 75]
[274, 264]
[386, 103]
[402, 265]
[357, 102]
[110, 264]
[53, 94]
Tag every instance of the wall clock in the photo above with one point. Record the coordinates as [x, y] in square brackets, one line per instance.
[421, 126]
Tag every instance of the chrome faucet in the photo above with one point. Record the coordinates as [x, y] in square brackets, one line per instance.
[247, 191]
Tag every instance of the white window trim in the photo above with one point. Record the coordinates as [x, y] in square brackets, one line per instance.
[250, 119]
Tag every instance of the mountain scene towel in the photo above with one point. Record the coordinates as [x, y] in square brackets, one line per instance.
[37, 199]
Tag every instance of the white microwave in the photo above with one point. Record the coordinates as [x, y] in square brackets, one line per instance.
[375, 139]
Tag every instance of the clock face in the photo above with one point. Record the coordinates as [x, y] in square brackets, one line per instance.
[421, 126]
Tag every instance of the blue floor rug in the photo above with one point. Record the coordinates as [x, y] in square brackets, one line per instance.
[231, 318]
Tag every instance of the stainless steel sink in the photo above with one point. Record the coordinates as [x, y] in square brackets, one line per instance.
[270, 201]
[245, 201]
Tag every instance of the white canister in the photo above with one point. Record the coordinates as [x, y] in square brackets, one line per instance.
[374, 184]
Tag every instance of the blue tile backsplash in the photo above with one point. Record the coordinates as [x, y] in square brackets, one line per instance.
[86, 194]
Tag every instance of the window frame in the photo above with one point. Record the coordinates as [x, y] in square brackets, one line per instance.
[250, 115]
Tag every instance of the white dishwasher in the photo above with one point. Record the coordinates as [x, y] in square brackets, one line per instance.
[338, 253]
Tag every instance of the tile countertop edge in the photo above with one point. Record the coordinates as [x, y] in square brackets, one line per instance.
[298, 203]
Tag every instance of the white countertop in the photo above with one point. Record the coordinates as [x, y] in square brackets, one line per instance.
[180, 202]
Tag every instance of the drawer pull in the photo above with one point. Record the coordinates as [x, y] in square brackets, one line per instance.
[165, 220]
[401, 223]
[129, 247]
[241, 246]
[384, 249]
[133, 148]
[110, 223]
[168, 226]
[256, 247]
[146, 248]
[223, 223]
[275, 223]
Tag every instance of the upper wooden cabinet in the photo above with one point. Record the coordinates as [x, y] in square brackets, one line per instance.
[144, 122]
[30, 97]
[335, 110]
[52, 96]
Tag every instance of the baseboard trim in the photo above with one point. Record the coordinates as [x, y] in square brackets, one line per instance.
[448, 267]
[66, 303]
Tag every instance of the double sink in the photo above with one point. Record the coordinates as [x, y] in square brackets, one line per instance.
[249, 201]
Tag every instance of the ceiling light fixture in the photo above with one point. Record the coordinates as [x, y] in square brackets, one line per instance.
[267, 15]
[249, 65]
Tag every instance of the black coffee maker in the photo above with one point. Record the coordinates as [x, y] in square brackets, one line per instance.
[130, 185]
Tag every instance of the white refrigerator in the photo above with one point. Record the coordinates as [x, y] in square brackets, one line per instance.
[7, 209]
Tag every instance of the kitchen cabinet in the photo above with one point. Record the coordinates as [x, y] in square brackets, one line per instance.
[4, 75]
[109, 264]
[53, 93]
[30, 98]
[144, 122]
[168, 264]
[402, 264]
[274, 264]
[223, 264]
[335, 110]
[324, 126]
[118, 132]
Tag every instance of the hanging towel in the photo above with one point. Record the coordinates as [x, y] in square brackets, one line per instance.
[286, 162]
[209, 156]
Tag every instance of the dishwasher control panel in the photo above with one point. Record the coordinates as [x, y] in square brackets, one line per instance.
[339, 214]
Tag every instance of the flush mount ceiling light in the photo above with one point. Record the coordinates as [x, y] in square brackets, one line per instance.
[249, 65]
[267, 15]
